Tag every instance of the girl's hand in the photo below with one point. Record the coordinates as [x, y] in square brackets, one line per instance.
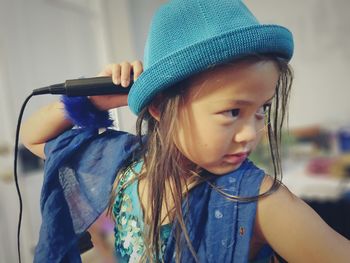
[121, 75]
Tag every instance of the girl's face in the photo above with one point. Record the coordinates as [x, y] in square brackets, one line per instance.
[223, 116]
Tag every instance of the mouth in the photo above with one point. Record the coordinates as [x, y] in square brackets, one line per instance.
[236, 158]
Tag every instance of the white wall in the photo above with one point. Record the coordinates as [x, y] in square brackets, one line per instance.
[45, 42]
[42, 42]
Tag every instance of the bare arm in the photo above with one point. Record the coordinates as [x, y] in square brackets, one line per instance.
[49, 121]
[45, 124]
[295, 231]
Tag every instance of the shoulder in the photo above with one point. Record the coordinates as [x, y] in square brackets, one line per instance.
[294, 230]
[76, 137]
[281, 195]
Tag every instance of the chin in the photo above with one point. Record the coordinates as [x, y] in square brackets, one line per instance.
[222, 169]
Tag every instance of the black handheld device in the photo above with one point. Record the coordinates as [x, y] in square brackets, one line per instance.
[85, 87]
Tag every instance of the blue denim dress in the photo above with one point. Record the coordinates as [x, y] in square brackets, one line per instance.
[221, 229]
[80, 169]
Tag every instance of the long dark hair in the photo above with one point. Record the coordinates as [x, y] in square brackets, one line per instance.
[163, 162]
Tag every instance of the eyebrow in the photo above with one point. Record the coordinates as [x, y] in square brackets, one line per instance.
[244, 102]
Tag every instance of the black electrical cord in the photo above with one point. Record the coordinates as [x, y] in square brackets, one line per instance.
[16, 176]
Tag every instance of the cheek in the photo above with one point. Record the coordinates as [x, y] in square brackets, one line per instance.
[192, 136]
[184, 134]
[188, 138]
[258, 139]
[203, 140]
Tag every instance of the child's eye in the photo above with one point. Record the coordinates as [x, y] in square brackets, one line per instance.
[235, 112]
[231, 114]
[263, 110]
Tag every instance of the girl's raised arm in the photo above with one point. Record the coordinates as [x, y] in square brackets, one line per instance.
[295, 231]
[43, 125]
[50, 121]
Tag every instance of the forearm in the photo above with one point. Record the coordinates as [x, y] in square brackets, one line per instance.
[45, 124]
[50, 121]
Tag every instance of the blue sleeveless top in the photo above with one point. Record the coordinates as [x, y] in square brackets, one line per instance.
[80, 169]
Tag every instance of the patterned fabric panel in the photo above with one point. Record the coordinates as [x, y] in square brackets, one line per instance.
[129, 226]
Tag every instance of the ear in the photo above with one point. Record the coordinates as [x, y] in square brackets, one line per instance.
[154, 111]
[153, 108]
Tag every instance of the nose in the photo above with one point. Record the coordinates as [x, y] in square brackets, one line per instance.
[246, 132]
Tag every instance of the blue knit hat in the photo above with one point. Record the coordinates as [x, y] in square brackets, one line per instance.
[188, 36]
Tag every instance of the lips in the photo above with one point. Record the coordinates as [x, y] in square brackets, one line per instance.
[236, 158]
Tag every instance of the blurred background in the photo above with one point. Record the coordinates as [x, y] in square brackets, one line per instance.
[43, 42]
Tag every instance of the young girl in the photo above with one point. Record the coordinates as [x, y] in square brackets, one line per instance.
[214, 82]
